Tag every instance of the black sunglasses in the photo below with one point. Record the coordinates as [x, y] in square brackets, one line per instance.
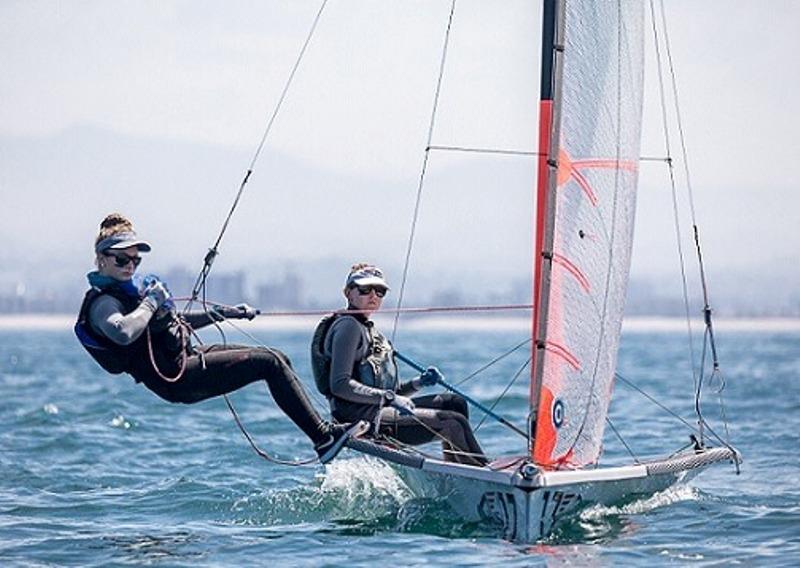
[365, 290]
[121, 260]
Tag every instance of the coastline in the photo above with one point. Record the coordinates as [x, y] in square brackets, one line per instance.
[634, 324]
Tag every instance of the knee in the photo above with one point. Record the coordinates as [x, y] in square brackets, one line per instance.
[457, 404]
[460, 405]
[269, 360]
[454, 420]
[276, 354]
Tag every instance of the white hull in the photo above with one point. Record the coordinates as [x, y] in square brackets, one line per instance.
[527, 509]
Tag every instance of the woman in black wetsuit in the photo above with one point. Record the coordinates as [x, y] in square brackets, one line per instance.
[139, 332]
[364, 384]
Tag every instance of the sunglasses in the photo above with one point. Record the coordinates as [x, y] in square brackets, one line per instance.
[365, 290]
[122, 260]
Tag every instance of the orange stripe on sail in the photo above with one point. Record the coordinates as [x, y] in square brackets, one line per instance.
[569, 169]
[574, 270]
[564, 353]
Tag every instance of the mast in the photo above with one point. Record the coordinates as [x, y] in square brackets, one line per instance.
[549, 112]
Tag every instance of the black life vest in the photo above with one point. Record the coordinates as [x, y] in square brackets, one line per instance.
[320, 361]
[165, 335]
[377, 369]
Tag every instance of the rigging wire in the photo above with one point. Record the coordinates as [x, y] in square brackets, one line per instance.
[208, 261]
[621, 439]
[675, 208]
[501, 151]
[709, 336]
[200, 288]
[505, 391]
[424, 168]
[495, 360]
[655, 401]
[708, 427]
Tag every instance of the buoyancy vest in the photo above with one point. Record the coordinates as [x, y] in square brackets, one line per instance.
[321, 361]
[168, 342]
[376, 369]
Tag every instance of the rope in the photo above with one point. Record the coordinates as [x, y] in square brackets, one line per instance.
[414, 310]
[416, 450]
[184, 356]
[424, 169]
[261, 453]
[213, 251]
[420, 310]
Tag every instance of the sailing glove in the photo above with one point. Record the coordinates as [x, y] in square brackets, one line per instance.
[239, 311]
[403, 404]
[430, 377]
[156, 294]
[246, 311]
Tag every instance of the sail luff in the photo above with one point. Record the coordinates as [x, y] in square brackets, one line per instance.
[552, 28]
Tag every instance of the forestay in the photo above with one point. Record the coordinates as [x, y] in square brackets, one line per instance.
[587, 204]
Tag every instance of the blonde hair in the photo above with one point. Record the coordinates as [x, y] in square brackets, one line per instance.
[113, 224]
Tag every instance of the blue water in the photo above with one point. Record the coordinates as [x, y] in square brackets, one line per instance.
[97, 471]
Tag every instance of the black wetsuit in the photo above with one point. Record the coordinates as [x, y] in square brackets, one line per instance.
[362, 368]
[210, 370]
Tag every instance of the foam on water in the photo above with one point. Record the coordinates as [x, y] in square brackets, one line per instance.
[355, 479]
[675, 494]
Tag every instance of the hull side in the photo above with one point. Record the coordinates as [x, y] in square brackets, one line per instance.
[527, 508]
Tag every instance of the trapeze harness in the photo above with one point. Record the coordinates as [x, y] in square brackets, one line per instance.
[158, 353]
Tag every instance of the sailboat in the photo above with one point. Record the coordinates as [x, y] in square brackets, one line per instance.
[588, 165]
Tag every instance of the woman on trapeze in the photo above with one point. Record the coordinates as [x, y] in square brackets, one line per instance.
[136, 330]
[354, 366]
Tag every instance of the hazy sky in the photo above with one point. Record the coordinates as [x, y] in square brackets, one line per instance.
[155, 109]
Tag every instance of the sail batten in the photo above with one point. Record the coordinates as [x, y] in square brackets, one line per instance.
[586, 203]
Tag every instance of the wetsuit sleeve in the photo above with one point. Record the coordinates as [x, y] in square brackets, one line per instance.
[407, 388]
[106, 317]
[199, 319]
[345, 338]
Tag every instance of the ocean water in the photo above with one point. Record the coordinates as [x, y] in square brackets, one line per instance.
[97, 471]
